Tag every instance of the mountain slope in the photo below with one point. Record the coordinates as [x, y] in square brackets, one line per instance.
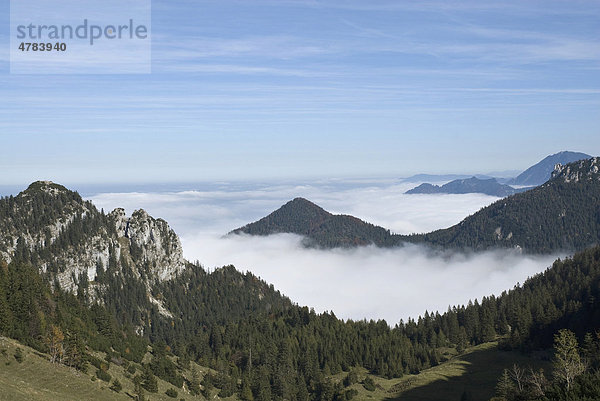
[115, 260]
[541, 172]
[260, 345]
[35, 378]
[68, 237]
[299, 343]
[466, 186]
[321, 228]
[562, 214]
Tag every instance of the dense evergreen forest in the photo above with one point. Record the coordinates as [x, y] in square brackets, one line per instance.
[260, 345]
[278, 350]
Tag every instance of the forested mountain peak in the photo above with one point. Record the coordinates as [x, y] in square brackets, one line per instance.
[125, 263]
[79, 248]
[319, 227]
[36, 217]
[46, 186]
[304, 208]
[298, 216]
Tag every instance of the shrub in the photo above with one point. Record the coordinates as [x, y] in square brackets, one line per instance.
[97, 363]
[171, 393]
[19, 355]
[369, 384]
[102, 375]
[116, 386]
[351, 378]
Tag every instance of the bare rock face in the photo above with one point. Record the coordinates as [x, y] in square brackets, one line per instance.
[151, 242]
[575, 172]
[74, 244]
[144, 242]
[120, 218]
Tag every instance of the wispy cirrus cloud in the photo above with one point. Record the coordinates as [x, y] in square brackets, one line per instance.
[206, 68]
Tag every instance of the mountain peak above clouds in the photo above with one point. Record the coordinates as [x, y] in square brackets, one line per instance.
[319, 227]
[541, 172]
[466, 186]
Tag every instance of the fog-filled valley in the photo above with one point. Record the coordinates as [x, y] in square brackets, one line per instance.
[364, 282]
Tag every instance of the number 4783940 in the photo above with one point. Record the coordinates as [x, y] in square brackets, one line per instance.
[42, 47]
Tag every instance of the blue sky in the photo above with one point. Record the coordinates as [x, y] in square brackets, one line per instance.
[255, 89]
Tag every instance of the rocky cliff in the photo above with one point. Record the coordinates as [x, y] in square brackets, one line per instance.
[73, 243]
[583, 170]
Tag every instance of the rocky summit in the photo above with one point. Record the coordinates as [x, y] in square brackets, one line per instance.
[72, 242]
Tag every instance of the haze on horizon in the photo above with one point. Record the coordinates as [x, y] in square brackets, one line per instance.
[303, 88]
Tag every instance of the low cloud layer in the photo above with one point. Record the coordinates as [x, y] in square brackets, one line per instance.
[221, 209]
[366, 282]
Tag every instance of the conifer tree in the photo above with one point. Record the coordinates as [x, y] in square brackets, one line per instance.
[149, 381]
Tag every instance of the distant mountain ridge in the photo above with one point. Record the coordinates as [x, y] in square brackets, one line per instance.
[443, 177]
[501, 187]
[466, 186]
[562, 214]
[541, 172]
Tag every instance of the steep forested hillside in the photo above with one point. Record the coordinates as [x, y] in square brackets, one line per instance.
[562, 214]
[278, 350]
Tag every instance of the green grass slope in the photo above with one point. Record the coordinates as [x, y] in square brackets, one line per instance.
[36, 379]
[476, 372]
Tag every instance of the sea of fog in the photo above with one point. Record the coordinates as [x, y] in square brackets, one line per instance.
[366, 282]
